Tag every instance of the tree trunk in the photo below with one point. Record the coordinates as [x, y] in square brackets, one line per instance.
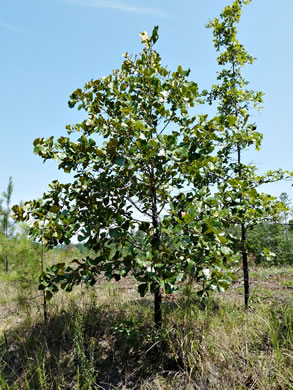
[243, 243]
[44, 294]
[45, 308]
[155, 245]
[245, 266]
[158, 308]
[6, 265]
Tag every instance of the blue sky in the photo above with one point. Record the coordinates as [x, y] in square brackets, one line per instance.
[51, 47]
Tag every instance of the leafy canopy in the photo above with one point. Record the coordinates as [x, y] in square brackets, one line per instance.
[141, 199]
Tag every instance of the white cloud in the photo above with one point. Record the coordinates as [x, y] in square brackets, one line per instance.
[9, 27]
[117, 5]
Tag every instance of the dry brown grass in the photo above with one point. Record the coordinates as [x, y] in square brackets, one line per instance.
[103, 338]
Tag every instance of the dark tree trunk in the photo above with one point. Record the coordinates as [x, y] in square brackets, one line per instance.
[158, 308]
[6, 265]
[245, 266]
[44, 294]
[155, 245]
[243, 244]
[45, 308]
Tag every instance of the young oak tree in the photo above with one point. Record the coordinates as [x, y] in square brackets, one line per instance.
[238, 189]
[141, 201]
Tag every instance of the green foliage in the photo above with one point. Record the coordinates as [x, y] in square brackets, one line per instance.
[149, 179]
[142, 200]
[269, 244]
[6, 225]
[23, 257]
[240, 181]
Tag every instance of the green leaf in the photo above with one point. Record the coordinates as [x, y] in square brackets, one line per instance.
[155, 35]
[142, 289]
[119, 161]
[54, 209]
[115, 233]
[49, 295]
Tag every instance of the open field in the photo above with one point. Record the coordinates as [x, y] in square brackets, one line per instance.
[103, 338]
